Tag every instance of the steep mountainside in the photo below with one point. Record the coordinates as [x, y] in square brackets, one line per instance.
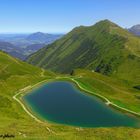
[14, 76]
[135, 30]
[104, 47]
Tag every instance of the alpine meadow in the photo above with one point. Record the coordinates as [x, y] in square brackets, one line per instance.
[70, 70]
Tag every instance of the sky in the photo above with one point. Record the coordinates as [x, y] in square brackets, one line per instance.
[61, 16]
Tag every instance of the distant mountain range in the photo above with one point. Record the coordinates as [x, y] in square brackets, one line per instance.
[104, 47]
[135, 30]
[16, 39]
[22, 45]
[40, 37]
[12, 50]
[24, 40]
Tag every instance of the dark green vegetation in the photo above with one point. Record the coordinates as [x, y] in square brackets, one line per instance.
[16, 75]
[137, 87]
[62, 102]
[105, 48]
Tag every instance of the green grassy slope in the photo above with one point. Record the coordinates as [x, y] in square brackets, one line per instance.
[117, 91]
[104, 47]
[15, 75]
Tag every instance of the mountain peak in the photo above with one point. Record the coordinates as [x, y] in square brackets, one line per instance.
[136, 26]
[106, 22]
[135, 29]
[39, 33]
[37, 36]
[100, 25]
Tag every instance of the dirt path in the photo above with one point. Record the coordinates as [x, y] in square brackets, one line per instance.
[25, 109]
[108, 102]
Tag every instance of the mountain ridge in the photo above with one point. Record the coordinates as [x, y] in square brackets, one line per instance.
[104, 47]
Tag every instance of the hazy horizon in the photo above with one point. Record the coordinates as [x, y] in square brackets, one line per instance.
[14, 33]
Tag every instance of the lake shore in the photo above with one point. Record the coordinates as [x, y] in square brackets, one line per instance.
[29, 88]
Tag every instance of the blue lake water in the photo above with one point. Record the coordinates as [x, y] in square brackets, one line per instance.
[62, 102]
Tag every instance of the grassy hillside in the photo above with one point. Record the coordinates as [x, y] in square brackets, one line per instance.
[104, 47]
[117, 91]
[15, 75]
